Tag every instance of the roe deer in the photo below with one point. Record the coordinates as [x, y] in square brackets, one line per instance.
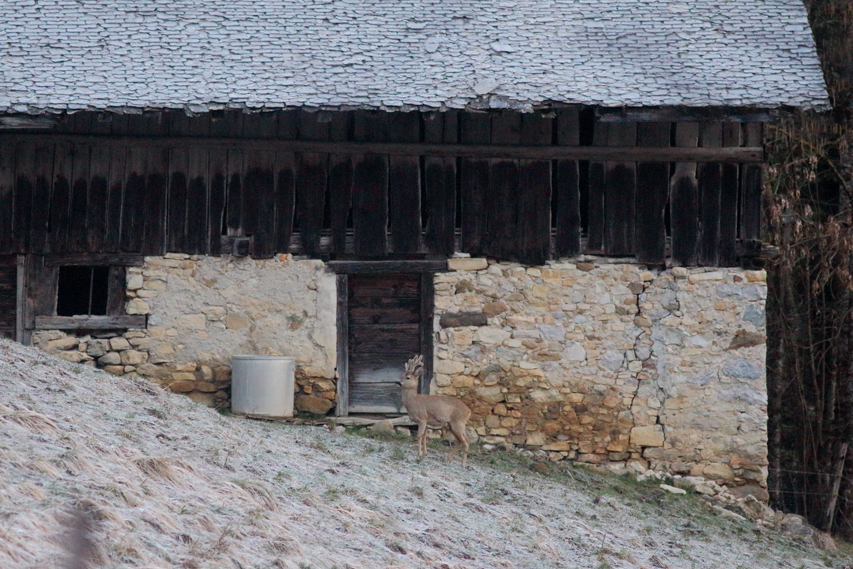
[435, 411]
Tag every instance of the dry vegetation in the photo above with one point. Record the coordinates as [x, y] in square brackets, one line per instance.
[119, 473]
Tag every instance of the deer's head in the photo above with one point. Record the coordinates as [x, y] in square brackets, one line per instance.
[414, 370]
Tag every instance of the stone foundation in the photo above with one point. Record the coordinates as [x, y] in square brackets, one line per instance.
[595, 362]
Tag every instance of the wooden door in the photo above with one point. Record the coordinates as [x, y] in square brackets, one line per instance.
[386, 316]
[8, 297]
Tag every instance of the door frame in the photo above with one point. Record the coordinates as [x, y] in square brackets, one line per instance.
[343, 269]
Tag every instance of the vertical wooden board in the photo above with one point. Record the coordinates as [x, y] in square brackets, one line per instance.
[259, 202]
[41, 288]
[99, 183]
[7, 195]
[234, 198]
[60, 200]
[25, 168]
[426, 329]
[342, 325]
[198, 125]
[370, 205]
[652, 196]
[176, 225]
[287, 127]
[150, 123]
[503, 189]
[474, 182]
[40, 222]
[440, 206]
[313, 126]
[370, 126]
[750, 211]
[178, 122]
[234, 123]
[404, 198]
[115, 195]
[709, 182]
[311, 180]
[568, 215]
[534, 192]
[116, 290]
[154, 201]
[340, 199]
[218, 124]
[684, 200]
[597, 190]
[216, 202]
[729, 182]
[197, 200]
[132, 219]
[79, 198]
[450, 134]
[260, 125]
[404, 127]
[620, 194]
[285, 200]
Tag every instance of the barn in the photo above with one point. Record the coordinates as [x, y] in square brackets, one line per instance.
[557, 203]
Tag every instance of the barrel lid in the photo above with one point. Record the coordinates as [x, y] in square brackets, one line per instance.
[258, 357]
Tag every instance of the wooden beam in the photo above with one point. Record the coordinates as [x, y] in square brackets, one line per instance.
[611, 154]
[357, 267]
[342, 323]
[687, 114]
[86, 259]
[89, 322]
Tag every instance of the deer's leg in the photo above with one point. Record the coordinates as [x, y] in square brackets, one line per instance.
[461, 442]
[422, 432]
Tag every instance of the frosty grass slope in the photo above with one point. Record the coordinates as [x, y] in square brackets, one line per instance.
[173, 484]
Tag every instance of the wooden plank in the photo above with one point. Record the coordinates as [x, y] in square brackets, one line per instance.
[377, 397]
[115, 195]
[729, 189]
[750, 211]
[362, 267]
[370, 205]
[404, 186]
[311, 183]
[96, 214]
[198, 178]
[686, 114]
[684, 200]
[503, 190]
[7, 195]
[385, 315]
[405, 340]
[198, 125]
[234, 122]
[123, 321]
[340, 199]
[620, 194]
[40, 217]
[439, 194]
[60, 201]
[259, 203]
[154, 202]
[745, 154]
[426, 329]
[568, 214]
[311, 126]
[81, 156]
[8, 301]
[260, 125]
[176, 226]
[597, 192]
[534, 193]
[652, 196]
[474, 173]
[218, 173]
[287, 124]
[25, 168]
[117, 291]
[40, 297]
[285, 200]
[132, 216]
[86, 259]
[342, 326]
[234, 199]
[710, 190]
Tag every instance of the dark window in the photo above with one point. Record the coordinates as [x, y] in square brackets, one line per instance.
[82, 291]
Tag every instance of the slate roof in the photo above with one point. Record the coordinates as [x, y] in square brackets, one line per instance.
[200, 54]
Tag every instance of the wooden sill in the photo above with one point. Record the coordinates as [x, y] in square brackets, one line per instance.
[89, 322]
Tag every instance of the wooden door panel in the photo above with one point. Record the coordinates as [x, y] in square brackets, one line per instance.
[8, 301]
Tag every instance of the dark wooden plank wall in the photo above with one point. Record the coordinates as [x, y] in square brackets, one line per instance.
[8, 301]
[69, 197]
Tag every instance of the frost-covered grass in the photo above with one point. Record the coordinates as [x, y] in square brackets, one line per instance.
[167, 483]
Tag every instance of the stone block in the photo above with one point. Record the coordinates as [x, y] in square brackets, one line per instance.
[463, 337]
[183, 376]
[65, 343]
[313, 404]
[206, 399]
[561, 446]
[467, 264]
[118, 344]
[756, 276]
[491, 335]
[459, 319]
[648, 436]
[586, 267]
[535, 439]
[73, 356]
[236, 321]
[712, 276]
[114, 369]
[134, 281]
[182, 386]
[110, 358]
[489, 394]
[744, 339]
[462, 381]
[574, 352]
[192, 321]
[494, 308]
[133, 357]
[718, 471]
[137, 306]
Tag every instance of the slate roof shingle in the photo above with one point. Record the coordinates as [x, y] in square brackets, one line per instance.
[201, 54]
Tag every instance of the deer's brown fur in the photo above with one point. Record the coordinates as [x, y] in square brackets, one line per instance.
[435, 411]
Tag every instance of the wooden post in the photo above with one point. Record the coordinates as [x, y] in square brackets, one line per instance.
[836, 485]
[342, 323]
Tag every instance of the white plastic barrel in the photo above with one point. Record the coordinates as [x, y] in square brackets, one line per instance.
[262, 385]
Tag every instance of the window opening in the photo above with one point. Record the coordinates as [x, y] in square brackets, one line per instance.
[82, 291]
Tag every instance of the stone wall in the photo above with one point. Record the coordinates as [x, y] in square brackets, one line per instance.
[609, 362]
[591, 361]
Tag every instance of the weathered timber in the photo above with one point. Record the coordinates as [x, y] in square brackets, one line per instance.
[132, 220]
[474, 173]
[427, 291]
[439, 199]
[620, 194]
[568, 214]
[371, 267]
[370, 205]
[534, 193]
[285, 200]
[310, 127]
[85, 259]
[259, 203]
[197, 205]
[7, 195]
[119, 322]
[684, 199]
[652, 196]
[178, 195]
[746, 154]
[340, 184]
[8, 300]
[154, 202]
[116, 290]
[81, 156]
[405, 340]
[24, 185]
[311, 179]
[729, 182]
[60, 201]
[404, 187]
[115, 197]
[686, 114]
[342, 325]
[40, 217]
[234, 193]
[41, 282]
[218, 173]
[710, 189]
[96, 213]
[503, 190]
[457, 319]
[260, 125]
[597, 191]
[750, 202]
